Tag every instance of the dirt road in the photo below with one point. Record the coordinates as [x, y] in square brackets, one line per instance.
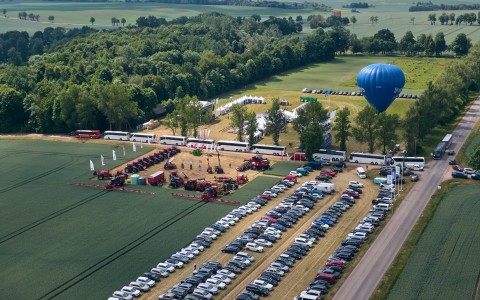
[364, 279]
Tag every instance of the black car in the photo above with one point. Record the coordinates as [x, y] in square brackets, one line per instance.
[250, 294]
[152, 276]
[192, 280]
[271, 274]
[267, 237]
[185, 286]
[215, 265]
[284, 261]
[340, 164]
[179, 292]
[261, 291]
[293, 254]
[459, 175]
[270, 280]
[323, 177]
[218, 227]
[233, 268]
[351, 242]
[407, 172]
[244, 296]
[231, 249]
[451, 152]
[452, 162]
[238, 264]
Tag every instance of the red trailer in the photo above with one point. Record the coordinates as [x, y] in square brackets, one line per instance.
[157, 178]
[299, 156]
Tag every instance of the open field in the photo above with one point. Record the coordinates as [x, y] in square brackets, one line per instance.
[79, 243]
[444, 264]
[392, 15]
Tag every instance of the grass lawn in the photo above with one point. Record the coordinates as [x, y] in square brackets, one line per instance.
[282, 168]
[444, 263]
[75, 242]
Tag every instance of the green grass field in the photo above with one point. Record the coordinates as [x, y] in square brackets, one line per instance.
[282, 168]
[444, 264]
[74, 242]
[393, 15]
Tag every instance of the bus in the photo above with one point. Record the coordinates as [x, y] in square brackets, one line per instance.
[269, 149]
[87, 134]
[200, 143]
[116, 135]
[333, 155]
[367, 158]
[233, 146]
[173, 140]
[143, 137]
[420, 161]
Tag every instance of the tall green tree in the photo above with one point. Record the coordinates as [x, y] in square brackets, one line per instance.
[474, 159]
[172, 122]
[252, 127]
[407, 44]
[92, 20]
[276, 120]
[343, 127]
[366, 129]
[309, 124]
[238, 117]
[12, 114]
[4, 12]
[386, 130]
[461, 44]
[123, 20]
[440, 43]
[51, 18]
[353, 20]
[115, 103]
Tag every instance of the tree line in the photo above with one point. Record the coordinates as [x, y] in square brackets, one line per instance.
[137, 67]
[429, 6]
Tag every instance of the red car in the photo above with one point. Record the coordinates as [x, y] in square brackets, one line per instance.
[271, 219]
[352, 193]
[264, 196]
[328, 172]
[335, 262]
[457, 168]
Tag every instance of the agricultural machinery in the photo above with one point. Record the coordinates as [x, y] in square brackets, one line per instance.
[197, 185]
[259, 163]
[117, 181]
[242, 179]
[157, 178]
[105, 174]
[170, 165]
[197, 152]
[246, 165]
[175, 180]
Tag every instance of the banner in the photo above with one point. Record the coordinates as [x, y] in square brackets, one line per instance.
[114, 155]
[390, 178]
[102, 159]
[123, 147]
[134, 148]
[92, 167]
[397, 170]
[141, 145]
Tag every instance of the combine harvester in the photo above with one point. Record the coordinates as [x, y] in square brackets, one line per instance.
[210, 195]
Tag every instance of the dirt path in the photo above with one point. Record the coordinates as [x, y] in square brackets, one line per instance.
[304, 270]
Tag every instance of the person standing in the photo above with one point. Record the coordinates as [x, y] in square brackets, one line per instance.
[194, 266]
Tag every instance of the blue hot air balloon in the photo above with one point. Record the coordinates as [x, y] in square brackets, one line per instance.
[381, 84]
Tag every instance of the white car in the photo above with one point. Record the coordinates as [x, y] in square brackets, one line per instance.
[190, 255]
[295, 173]
[249, 207]
[208, 287]
[197, 246]
[169, 267]
[254, 247]
[140, 286]
[355, 184]
[280, 266]
[246, 255]
[469, 171]
[224, 223]
[276, 271]
[277, 189]
[192, 250]
[263, 243]
[122, 295]
[227, 273]
[202, 294]
[146, 280]
[131, 290]
[253, 204]
[242, 260]
[358, 234]
[224, 278]
[160, 271]
[263, 284]
[232, 217]
[216, 282]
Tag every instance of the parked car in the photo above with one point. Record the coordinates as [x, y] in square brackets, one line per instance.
[452, 162]
[459, 175]
[131, 290]
[254, 247]
[475, 176]
[202, 294]
[469, 171]
[451, 152]
[122, 295]
[415, 178]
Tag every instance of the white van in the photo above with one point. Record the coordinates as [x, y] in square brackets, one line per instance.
[384, 206]
[326, 187]
[361, 173]
[305, 296]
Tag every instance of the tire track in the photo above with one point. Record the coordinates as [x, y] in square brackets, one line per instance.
[33, 178]
[48, 153]
[49, 217]
[120, 252]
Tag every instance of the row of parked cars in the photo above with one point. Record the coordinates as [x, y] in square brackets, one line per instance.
[186, 254]
[460, 172]
[273, 223]
[333, 269]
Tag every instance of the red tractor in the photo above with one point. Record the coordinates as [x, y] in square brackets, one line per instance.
[117, 181]
[147, 161]
[102, 174]
[197, 185]
[139, 164]
[154, 158]
[176, 181]
[170, 165]
[242, 179]
[159, 156]
[259, 163]
[211, 193]
[246, 165]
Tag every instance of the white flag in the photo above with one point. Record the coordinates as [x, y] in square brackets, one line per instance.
[114, 156]
[92, 167]
[102, 159]
[123, 147]
[134, 147]
[141, 145]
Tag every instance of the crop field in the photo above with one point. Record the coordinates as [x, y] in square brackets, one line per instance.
[444, 264]
[74, 242]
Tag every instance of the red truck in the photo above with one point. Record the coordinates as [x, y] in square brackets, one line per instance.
[157, 178]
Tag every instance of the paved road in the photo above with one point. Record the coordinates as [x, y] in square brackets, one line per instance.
[364, 279]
